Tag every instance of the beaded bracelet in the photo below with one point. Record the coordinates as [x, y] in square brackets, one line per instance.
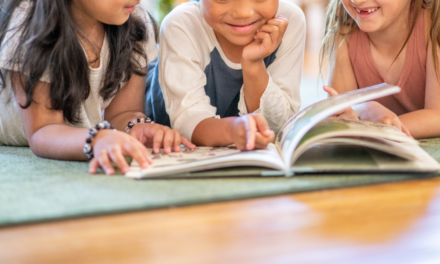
[131, 124]
[88, 148]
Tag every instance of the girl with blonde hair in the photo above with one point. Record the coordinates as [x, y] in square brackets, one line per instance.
[369, 42]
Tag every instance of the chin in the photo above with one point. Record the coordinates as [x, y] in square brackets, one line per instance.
[368, 28]
[118, 22]
[241, 41]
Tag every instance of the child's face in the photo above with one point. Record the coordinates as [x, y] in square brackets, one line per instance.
[238, 20]
[111, 12]
[376, 15]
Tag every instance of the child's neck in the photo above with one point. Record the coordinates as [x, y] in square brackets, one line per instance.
[385, 41]
[385, 47]
[232, 52]
[91, 36]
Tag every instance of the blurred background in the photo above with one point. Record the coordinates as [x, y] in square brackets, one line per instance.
[314, 10]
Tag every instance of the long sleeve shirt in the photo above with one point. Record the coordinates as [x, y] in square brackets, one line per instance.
[198, 81]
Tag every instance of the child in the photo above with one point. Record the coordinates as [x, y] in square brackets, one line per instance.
[394, 41]
[229, 70]
[64, 64]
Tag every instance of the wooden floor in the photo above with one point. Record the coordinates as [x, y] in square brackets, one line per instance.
[389, 223]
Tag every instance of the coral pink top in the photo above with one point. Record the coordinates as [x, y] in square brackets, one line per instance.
[413, 78]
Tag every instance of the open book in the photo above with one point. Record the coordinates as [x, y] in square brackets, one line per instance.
[309, 142]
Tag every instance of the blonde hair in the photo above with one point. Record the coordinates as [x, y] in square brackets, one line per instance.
[338, 22]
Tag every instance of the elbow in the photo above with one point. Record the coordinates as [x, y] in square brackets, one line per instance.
[34, 148]
[34, 145]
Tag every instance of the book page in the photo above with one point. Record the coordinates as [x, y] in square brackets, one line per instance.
[399, 149]
[339, 127]
[293, 131]
[345, 157]
[206, 158]
[367, 128]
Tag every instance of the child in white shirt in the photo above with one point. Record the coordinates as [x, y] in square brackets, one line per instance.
[240, 60]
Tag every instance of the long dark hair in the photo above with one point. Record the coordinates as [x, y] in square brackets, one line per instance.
[49, 44]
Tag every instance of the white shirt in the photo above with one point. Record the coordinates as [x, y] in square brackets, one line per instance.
[12, 130]
[186, 44]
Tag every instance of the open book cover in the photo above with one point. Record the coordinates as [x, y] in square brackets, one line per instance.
[309, 142]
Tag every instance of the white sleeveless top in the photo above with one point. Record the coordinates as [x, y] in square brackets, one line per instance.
[12, 132]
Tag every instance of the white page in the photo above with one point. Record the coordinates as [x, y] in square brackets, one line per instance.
[293, 131]
[206, 158]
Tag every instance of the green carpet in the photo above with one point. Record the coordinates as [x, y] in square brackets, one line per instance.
[35, 190]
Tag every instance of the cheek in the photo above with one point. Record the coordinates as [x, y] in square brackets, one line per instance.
[268, 10]
[212, 14]
[111, 10]
[394, 9]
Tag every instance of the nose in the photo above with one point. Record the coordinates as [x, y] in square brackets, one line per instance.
[242, 9]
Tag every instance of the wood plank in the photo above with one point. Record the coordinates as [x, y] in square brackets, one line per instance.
[389, 223]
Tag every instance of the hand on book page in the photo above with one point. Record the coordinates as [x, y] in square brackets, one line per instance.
[370, 111]
[376, 112]
[251, 131]
[347, 113]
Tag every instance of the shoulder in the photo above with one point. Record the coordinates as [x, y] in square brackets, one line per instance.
[291, 12]
[149, 46]
[20, 13]
[185, 29]
[297, 22]
[12, 37]
[17, 19]
[184, 16]
[142, 13]
[342, 44]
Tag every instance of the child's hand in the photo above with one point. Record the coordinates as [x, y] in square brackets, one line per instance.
[347, 113]
[158, 136]
[251, 132]
[371, 111]
[267, 40]
[376, 112]
[110, 146]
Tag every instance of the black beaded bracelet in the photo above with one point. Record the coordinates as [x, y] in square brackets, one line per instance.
[131, 124]
[91, 133]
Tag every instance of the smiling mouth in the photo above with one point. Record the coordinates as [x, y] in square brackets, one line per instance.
[242, 26]
[366, 10]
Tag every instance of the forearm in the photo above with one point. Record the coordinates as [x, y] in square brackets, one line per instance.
[59, 141]
[423, 123]
[255, 80]
[213, 132]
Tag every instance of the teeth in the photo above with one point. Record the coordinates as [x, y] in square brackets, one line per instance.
[371, 10]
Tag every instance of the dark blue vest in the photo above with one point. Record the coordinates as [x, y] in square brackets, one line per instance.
[223, 86]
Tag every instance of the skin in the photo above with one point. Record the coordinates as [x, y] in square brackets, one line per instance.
[50, 137]
[388, 29]
[247, 45]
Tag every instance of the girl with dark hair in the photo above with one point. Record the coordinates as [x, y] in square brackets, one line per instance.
[67, 65]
